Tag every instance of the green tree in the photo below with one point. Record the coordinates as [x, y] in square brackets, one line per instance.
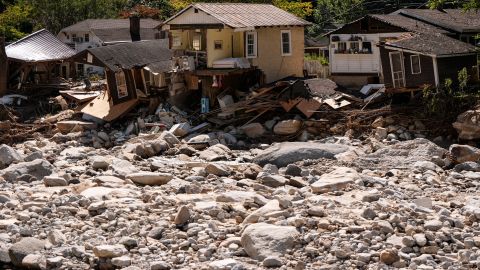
[15, 21]
[468, 4]
[329, 12]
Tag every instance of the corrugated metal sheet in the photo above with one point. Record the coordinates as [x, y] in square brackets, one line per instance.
[243, 15]
[41, 46]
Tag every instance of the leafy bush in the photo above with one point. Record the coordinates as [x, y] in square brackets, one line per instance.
[312, 57]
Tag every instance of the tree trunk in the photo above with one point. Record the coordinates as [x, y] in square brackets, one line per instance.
[3, 67]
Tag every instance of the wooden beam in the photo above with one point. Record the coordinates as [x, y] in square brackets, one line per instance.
[3, 67]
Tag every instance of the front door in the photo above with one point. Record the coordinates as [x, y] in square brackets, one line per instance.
[398, 70]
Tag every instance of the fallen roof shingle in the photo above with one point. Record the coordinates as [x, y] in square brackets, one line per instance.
[41, 46]
[243, 15]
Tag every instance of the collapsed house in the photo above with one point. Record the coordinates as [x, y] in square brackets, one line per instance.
[133, 71]
[422, 59]
[355, 58]
[93, 33]
[37, 60]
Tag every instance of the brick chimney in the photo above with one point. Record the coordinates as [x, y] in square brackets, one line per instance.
[135, 28]
[3, 67]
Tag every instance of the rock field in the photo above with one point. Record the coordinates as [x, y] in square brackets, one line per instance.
[156, 202]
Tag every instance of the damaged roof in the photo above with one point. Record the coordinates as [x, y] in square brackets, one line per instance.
[433, 44]
[153, 53]
[457, 20]
[111, 30]
[41, 46]
[243, 15]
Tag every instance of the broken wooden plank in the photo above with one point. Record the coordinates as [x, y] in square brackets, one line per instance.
[289, 105]
[101, 108]
[309, 106]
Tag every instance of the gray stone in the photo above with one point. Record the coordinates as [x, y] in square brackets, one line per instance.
[160, 265]
[433, 225]
[467, 166]
[170, 138]
[150, 178]
[262, 240]
[225, 264]
[100, 163]
[34, 261]
[109, 251]
[463, 153]
[24, 247]
[272, 261]
[369, 213]
[54, 181]
[122, 261]
[271, 180]
[33, 156]
[253, 130]
[38, 169]
[293, 170]
[215, 152]
[282, 154]
[340, 178]
[8, 155]
[183, 215]
[218, 169]
[122, 167]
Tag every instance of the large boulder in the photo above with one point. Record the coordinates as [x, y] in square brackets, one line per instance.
[36, 169]
[215, 152]
[24, 247]
[468, 125]
[463, 153]
[8, 155]
[402, 155]
[286, 153]
[336, 180]
[262, 240]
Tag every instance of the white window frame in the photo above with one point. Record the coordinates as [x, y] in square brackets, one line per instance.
[121, 82]
[255, 44]
[289, 32]
[419, 64]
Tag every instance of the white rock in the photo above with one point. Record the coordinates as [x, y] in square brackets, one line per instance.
[340, 178]
[109, 251]
[150, 178]
[262, 240]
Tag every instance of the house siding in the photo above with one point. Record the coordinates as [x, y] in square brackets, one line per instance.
[270, 59]
[448, 68]
[426, 76]
[223, 35]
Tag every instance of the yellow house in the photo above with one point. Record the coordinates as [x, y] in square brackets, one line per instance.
[222, 35]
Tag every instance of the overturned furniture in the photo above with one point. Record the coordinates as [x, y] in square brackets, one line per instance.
[37, 61]
[134, 71]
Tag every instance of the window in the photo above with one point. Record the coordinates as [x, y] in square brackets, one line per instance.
[251, 44]
[354, 46]
[286, 43]
[197, 41]
[81, 69]
[121, 85]
[87, 38]
[367, 47]
[342, 47]
[218, 44]
[415, 64]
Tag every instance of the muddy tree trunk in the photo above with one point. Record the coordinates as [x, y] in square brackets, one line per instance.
[3, 67]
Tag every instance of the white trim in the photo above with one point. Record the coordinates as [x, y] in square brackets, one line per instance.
[435, 72]
[289, 32]
[255, 44]
[419, 64]
[402, 66]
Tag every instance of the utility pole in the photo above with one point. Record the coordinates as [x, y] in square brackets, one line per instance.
[3, 67]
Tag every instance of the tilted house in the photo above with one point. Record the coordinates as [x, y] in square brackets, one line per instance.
[218, 34]
[93, 33]
[133, 71]
[425, 59]
[354, 56]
